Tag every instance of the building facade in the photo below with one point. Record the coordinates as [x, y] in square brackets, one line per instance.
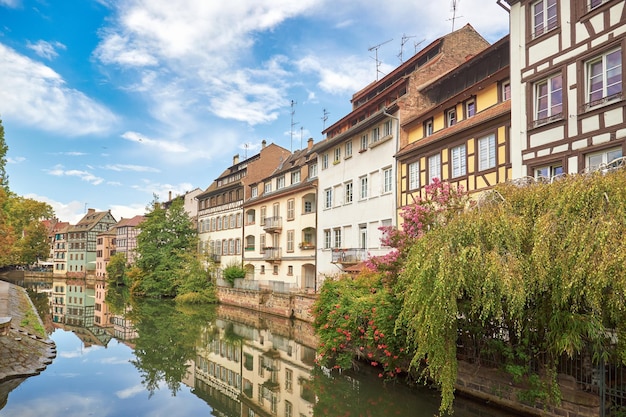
[568, 114]
[126, 232]
[463, 136]
[220, 206]
[81, 242]
[280, 224]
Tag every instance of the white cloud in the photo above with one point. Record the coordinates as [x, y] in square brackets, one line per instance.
[130, 392]
[155, 143]
[46, 49]
[339, 76]
[35, 95]
[163, 190]
[10, 3]
[15, 160]
[134, 168]
[59, 171]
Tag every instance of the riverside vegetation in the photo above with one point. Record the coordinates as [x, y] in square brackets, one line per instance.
[531, 273]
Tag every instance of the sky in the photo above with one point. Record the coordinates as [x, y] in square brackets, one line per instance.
[107, 103]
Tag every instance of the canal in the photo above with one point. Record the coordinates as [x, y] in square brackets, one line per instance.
[123, 357]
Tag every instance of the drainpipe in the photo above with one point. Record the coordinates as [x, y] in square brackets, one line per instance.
[395, 179]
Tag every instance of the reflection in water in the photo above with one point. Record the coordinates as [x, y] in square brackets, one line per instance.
[120, 356]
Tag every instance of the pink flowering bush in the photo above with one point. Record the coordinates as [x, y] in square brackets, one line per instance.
[439, 203]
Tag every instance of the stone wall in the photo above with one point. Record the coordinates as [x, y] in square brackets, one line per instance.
[289, 305]
[493, 386]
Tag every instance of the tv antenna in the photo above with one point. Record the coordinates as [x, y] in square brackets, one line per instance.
[455, 5]
[405, 38]
[375, 48]
[324, 118]
[245, 150]
[416, 44]
[301, 134]
[293, 111]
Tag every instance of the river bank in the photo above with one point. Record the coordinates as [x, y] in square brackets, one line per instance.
[26, 349]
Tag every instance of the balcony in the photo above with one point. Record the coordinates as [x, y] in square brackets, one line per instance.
[272, 254]
[215, 258]
[307, 245]
[273, 224]
[349, 256]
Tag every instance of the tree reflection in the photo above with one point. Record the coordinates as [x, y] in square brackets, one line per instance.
[166, 341]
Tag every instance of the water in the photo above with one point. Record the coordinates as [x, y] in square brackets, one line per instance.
[153, 358]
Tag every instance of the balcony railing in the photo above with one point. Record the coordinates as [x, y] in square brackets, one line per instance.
[272, 254]
[273, 224]
[348, 256]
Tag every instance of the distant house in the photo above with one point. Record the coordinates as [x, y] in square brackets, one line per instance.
[81, 242]
[126, 232]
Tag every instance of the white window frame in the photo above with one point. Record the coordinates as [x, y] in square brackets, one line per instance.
[387, 128]
[313, 171]
[364, 188]
[434, 167]
[376, 134]
[548, 171]
[605, 90]
[601, 158]
[328, 198]
[487, 152]
[387, 180]
[327, 239]
[325, 161]
[291, 209]
[544, 16]
[337, 154]
[295, 177]
[348, 149]
[470, 108]
[364, 141]
[548, 99]
[451, 118]
[413, 172]
[280, 182]
[428, 127]
[348, 192]
[337, 238]
[458, 157]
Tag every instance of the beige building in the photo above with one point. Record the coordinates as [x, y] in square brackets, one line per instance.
[220, 206]
[280, 220]
[126, 234]
[105, 248]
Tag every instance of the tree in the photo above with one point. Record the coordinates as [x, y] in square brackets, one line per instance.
[166, 238]
[116, 270]
[24, 215]
[4, 178]
[34, 244]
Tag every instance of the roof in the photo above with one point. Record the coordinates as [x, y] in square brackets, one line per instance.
[90, 219]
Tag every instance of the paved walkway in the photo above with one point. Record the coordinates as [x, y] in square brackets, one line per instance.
[23, 352]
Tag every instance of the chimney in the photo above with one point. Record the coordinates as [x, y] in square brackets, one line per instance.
[236, 159]
[170, 196]
[263, 143]
[91, 211]
[309, 144]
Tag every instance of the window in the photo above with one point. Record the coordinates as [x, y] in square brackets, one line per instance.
[604, 78]
[544, 16]
[288, 409]
[364, 142]
[255, 191]
[219, 223]
[363, 192]
[414, 175]
[459, 161]
[548, 171]
[597, 159]
[387, 128]
[328, 198]
[595, 3]
[337, 155]
[470, 108]
[231, 221]
[428, 127]
[262, 242]
[348, 149]
[295, 177]
[268, 187]
[290, 235]
[290, 270]
[487, 152]
[263, 215]
[325, 161]
[291, 208]
[231, 247]
[348, 192]
[506, 90]
[237, 246]
[434, 167]
[308, 207]
[313, 171]
[250, 242]
[288, 379]
[337, 238]
[451, 117]
[327, 239]
[375, 134]
[387, 180]
[280, 182]
[548, 99]
[250, 216]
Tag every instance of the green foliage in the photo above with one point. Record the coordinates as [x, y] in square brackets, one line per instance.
[545, 267]
[354, 318]
[233, 272]
[168, 264]
[116, 269]
[4, 178]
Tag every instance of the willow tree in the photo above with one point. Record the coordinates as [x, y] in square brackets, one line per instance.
[543, 269]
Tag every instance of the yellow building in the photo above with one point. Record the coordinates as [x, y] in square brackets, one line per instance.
[462, 137]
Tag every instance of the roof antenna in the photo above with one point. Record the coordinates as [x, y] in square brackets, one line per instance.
[376, 47]
[245, 150]
[324, 118]
[405, 38]
[454, 16]
[293, 111]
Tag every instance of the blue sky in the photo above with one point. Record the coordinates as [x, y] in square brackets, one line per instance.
[106, 103]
